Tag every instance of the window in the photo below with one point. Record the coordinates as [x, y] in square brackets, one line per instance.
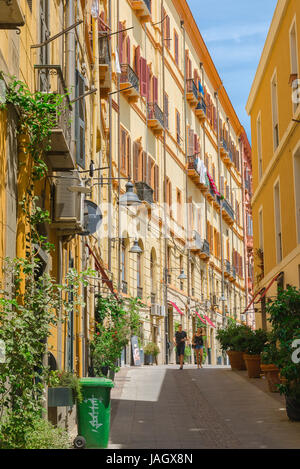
[277, 215]
[294, 58]
[166, 110]
[125, 153]
[178, 132]
[261, 229]
[166, 27]
[44, 30]
[80, 120]
[275, 112]
[176, 48]
[259, 149]
[179, 207]
[123, 266]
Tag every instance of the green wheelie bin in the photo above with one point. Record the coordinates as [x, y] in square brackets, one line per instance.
[93, 413]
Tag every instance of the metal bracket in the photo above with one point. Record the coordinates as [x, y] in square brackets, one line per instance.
[64, 31]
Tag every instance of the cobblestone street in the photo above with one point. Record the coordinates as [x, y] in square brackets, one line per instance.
[211, 408]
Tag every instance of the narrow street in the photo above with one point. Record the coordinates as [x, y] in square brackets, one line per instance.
[211, 408]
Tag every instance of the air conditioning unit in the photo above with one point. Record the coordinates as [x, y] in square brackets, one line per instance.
[68, 210]
[155, 310]
[162, 310]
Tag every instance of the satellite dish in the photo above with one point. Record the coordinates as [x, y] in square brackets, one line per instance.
[92, 217]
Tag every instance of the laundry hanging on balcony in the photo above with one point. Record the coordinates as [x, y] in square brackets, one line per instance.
[201, 170]
[118, 67]
[212, 185]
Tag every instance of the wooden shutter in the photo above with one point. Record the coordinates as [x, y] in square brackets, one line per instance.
[168, 32]
[196, 143]
[166, 98]
[156, 183]
[136, 151]
[143, 77]
[155, 89]
[176, 47]
[123, 149]
[128, 51]
[190, 142]
[128, 155]
[148, 84]
[149, 172]
[144, 167]
[80, 120]
[137, 58]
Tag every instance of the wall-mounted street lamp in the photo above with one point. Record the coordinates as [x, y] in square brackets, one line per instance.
[130, 198]
[182, 275]
[136, 249]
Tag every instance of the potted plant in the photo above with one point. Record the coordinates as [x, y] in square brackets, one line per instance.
[269, 356]
[232, 341]
[151, 350]
[64, 389]
[284, 316]
[255, 342]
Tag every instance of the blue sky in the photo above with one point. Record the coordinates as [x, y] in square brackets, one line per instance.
[235, 32]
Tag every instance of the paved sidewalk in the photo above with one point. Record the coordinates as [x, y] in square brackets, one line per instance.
[211, 408]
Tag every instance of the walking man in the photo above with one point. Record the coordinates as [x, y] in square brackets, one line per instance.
[179, 340]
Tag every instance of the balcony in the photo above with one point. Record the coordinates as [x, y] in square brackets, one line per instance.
[191, 92]
[144, 192]
[139, 292]
[194, 175]
[155, 118]
[227, 269]
[11, 16]
[124, 287]
[200, 246]
[200, 110]
[49, 80]
[104, 61]
[129, 83]
[227, 212]
[142, 9]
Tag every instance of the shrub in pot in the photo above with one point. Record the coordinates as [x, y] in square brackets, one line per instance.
[63, 389]
[284, 316]
[254, 344]
[269, 356]
[232, 341]
[151, 351]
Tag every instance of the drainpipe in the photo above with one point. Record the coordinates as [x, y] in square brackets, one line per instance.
[165, 194]
[109, 212]
[186, 176]
[244, 224]
[221, 206]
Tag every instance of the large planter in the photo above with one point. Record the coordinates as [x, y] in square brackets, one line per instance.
[236, 359]
[148, 359]
[272, 374]
[252, 365]
[60, 397]
[293, 408]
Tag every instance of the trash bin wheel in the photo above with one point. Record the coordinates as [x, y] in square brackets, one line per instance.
[79, 442]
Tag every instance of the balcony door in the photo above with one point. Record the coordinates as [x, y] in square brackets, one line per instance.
[44, 35]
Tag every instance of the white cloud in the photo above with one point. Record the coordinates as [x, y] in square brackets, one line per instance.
[235, 32]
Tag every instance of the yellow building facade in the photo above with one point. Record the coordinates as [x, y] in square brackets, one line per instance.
[273, 105]
[145, 104]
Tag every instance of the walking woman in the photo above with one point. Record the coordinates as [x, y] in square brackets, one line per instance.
[198, 343]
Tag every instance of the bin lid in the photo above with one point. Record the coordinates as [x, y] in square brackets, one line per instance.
[102, 382]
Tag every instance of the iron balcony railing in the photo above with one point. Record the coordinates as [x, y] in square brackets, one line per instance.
[201, 105]
[228, 208]
[227, 266]
[148, 4]
[191, 87]
[129, 76]
[139, 292]
[205, 247]
[154, 112]
[104, 55]
[50, 80]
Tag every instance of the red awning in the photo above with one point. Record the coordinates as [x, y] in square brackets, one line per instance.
[100, 269]
[209, 321]
[262, 292]
[176, 307]
[201, 319]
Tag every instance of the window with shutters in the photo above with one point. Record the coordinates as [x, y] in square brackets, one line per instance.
[137, 56]
[191, 142]
[156, 183]
[144, 77]
[179, 207]
[176, 48]
[44, 30]
[80, 120]
[125, 153]
[137, 162]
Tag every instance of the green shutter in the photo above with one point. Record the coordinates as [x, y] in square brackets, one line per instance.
[80, 121]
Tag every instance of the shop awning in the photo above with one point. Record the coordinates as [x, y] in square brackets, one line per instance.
[201, 319]
[176, 307]
[104, 277]
[262, 292]
[209, 321]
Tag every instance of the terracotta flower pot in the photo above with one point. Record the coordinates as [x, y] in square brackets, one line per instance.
[236, 360]
[272, 374]
[253, 365]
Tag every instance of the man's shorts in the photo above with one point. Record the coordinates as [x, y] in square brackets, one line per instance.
[180, 349]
